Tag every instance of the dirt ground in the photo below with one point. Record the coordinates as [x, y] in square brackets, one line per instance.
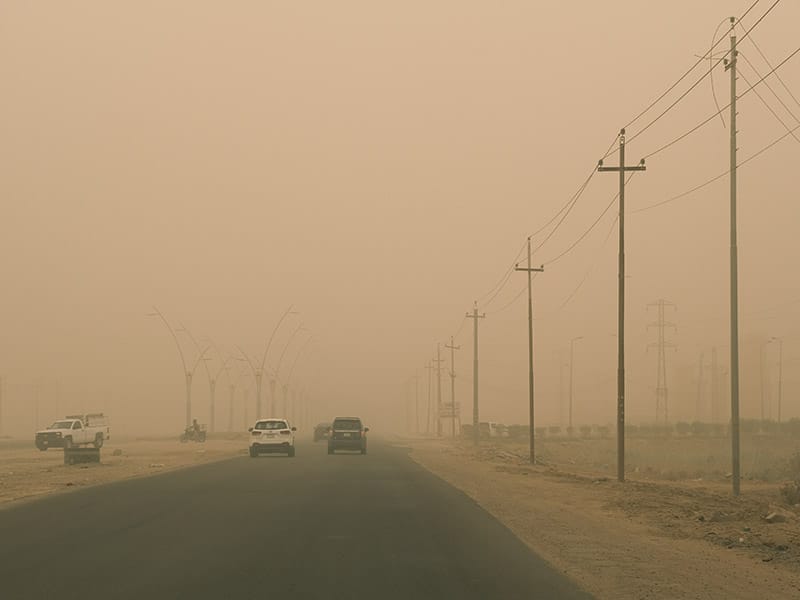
[639, 539]
[26, 473]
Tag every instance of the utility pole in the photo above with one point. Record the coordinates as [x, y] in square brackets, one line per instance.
[571, 370]
[475, 316]
[429, 368]
[700, 388]
[662, 392]
[245, 401]
[416, 401]
[735, 452]
[780, 378]
[621, 169]
[232, 392]
[714, 386]
[438, 360]
[453, 349]
[531, 415]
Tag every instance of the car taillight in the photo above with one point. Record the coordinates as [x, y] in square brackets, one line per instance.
[286, 432]
[256, 433]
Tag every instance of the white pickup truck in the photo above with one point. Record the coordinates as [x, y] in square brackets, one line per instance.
[75, 430]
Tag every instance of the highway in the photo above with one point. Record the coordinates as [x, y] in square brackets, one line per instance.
[315, 526]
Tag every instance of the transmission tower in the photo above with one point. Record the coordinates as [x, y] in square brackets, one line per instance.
[662, 392]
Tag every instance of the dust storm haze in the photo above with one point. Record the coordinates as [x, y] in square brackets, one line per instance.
[378, 167]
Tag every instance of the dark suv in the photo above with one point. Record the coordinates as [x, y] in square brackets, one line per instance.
[322, 431]
[347, 433]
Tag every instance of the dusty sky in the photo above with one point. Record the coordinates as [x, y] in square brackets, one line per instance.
[378, 166]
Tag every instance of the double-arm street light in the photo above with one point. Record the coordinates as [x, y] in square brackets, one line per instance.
[187, 372]
[274, 377]
[289, 377]
[258, 370]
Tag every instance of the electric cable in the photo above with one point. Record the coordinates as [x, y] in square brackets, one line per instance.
[718, 177]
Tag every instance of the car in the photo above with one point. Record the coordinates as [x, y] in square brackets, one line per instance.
[272, 435]
[322, 431]
[347, 433]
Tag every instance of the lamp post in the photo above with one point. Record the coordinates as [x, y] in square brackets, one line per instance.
[278, 368]
[761, 372]
[780, 376]
[571, 360]
[258, 369]
[188, 374]
[289, 378]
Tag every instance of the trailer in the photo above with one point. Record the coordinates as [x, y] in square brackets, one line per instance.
[81, 454]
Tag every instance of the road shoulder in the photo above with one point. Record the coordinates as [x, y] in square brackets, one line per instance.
[611, 538]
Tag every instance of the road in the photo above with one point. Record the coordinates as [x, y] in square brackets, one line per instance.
[315, 526]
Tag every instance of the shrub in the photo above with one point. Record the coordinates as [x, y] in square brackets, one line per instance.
[683, 428]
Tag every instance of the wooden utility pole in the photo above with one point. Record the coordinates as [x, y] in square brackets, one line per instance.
[416, 402]
[735, 452]
[453, 349]
[475, 316]
[438, 360]
[429, 368]
[621, 169]
[530, 270]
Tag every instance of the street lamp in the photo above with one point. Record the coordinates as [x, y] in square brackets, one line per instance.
[289, 378]
[761, 371]
[278, 368]
[780, 375]
[571, 357]
[258, 370]
[187, 373]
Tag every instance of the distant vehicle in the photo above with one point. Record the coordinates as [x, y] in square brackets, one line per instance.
[75, 430]
[271, 435]
[347, 433]
[322, 431]
[489, 429]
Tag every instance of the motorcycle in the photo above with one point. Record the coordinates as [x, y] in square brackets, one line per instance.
[191, 434]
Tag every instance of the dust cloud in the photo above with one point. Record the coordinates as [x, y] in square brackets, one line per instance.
[377, 168]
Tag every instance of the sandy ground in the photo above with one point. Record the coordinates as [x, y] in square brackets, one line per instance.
[640, 539]
[26, 473]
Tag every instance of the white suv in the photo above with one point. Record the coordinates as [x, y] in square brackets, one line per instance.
[271, 435]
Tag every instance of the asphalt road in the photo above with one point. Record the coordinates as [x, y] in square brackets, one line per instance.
[315, 526]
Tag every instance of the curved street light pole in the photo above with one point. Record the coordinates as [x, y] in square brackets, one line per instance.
[212, 384]
[278, 368]
[257, 375]
[288, 312]
[186, 373]
[289, 378]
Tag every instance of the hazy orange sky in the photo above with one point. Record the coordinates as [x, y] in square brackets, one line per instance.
[378, 166]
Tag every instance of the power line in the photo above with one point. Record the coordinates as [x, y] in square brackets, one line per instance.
[772, 110]
[774, 93]
[769, 64]
[684, 76]
[718, 177]
[591, 227]
[590, 269]
[727, 106]
[574, 201]
[699, 81]
[512, 302]
[503, 280]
